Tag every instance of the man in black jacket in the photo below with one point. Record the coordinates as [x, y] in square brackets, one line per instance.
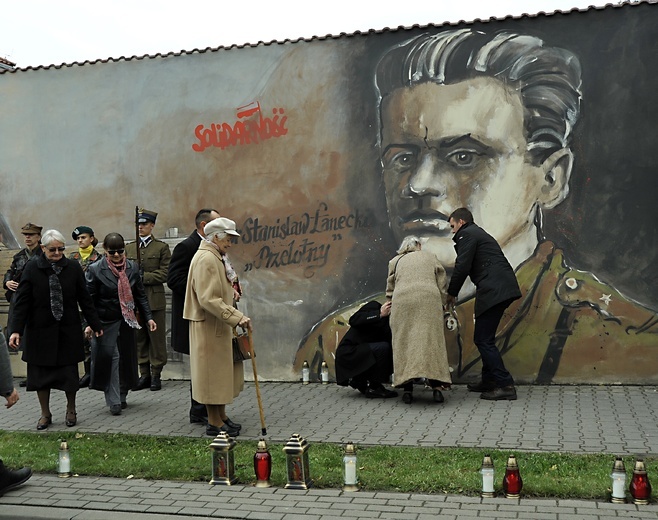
[479, 256]
[177, 282]
[364, 357]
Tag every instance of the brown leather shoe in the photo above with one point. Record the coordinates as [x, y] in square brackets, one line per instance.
[500, 394]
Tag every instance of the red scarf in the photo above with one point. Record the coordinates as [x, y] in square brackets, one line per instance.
[125, 293]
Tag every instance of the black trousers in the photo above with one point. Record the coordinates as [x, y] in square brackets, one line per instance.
[493, 368]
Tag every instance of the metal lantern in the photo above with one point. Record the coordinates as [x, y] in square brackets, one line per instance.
[640, 487]
[487, 472]
[512, 483]
[64, 461]
[324, 373]
[350, 480]
[262, 464]
[223, 460]
[306, 373]
[296, 450]
[618, 477]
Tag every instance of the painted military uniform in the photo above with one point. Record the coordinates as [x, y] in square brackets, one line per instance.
[152, 346]
[568, 327]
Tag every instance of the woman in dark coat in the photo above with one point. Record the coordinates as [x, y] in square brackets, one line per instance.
[45, 313]
[117, 291]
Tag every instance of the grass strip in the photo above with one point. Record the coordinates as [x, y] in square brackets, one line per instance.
[380, 468]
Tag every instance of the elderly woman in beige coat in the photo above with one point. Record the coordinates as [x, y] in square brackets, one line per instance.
[417, 285]
[216, 378]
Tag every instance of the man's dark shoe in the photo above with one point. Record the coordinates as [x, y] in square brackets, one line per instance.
[115, 409]
[143, 383]
[379, 391]
[214, 430]
[360, 386]
[482, 386]
[198, 419]
[500, 394]
[407, 397]
[156, 383]
[124, 405]
[84, 381]
[12, 479]
[437, 396]
[231, 424]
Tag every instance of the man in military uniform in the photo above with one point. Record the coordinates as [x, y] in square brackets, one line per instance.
[154, 256]
[32, 235]
[485, 121]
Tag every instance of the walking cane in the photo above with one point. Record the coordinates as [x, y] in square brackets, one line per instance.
[253, 366]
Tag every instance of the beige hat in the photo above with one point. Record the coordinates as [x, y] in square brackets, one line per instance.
[221, 224]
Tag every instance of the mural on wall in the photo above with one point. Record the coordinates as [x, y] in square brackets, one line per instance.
[327, 153]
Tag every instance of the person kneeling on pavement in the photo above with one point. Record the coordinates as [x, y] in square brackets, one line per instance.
[364, 357]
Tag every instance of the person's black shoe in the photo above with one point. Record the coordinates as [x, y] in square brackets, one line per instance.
[360, 386]
[156, 383]
[115, 409]
[407, 397]
[84, 381]
[198, 419]
[481, 386]
[214, 430]
[379, 391]
[143, 383]
[12, 479]
[23, 383]
[124, 405]
[437, 396]
[500, 393]
[231, 424]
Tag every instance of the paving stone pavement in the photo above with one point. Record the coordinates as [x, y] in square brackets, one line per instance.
[583, 419]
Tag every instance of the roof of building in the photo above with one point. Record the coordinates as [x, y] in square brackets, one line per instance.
[328, 36]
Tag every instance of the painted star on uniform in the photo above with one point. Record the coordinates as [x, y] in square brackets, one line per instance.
[606, 298]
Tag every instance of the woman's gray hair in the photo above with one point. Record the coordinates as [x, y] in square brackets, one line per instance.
[52, 235]
[219, 234]
[410, 244]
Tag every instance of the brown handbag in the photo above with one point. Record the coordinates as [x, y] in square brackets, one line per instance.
[241, 350]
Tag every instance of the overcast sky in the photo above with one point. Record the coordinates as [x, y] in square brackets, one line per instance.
[43, 32]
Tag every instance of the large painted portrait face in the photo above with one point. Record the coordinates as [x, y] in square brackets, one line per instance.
[460, 145]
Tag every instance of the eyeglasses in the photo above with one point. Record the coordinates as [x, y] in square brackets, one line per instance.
[53, 249]
[113, 252]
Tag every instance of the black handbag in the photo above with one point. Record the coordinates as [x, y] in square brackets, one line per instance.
[241, 350]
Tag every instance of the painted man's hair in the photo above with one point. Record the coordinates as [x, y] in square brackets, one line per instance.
[547, 78]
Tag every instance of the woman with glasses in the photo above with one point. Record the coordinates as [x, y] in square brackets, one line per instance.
[118, 294]
[45, 318]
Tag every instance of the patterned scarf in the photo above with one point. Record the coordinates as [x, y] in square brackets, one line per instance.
[125, 293]
[231, 274]
[56, 297]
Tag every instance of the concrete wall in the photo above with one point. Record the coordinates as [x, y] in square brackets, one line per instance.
[285, 140]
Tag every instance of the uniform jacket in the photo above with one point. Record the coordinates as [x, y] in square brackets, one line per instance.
[177, 282]
[93, 257]
[480, 257]
[215, 378]
[155, 260]
[16, 268]
[103, 289]
[568, 327]
[49, 342]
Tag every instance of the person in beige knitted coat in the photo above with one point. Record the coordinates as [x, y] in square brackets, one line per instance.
[416, 286]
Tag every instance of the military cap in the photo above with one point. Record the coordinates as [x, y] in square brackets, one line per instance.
[31, 229]
[81, 230]
[144, 215]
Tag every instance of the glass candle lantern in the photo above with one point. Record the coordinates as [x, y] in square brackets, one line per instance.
[262, 464]
[618, 477]
[324, 373]
[487, 472]
[296, 450]
[512, 483]
[64, 460]
[223, 460]
[640, 487]
[350, 480]
[306, 373]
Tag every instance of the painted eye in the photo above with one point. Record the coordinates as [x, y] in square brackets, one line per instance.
[464, 158]
[402, 160]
